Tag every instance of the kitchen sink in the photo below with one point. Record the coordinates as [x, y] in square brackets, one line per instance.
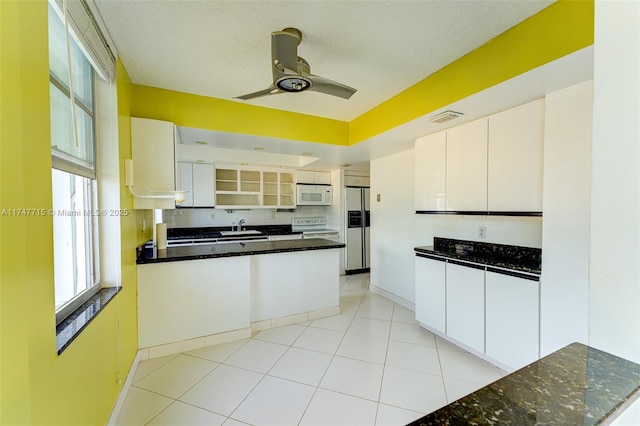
[235, 233]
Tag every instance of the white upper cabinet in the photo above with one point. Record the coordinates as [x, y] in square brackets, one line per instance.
[430, 172]
[198, 182]
[153, 154]
[466, 167]
[515, 159]
[311, 177]
[184, 182]
[204, 193]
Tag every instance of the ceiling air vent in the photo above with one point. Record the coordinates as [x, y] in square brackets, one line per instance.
[445, 116]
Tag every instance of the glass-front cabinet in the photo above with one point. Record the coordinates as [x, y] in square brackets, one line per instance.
[251, 188]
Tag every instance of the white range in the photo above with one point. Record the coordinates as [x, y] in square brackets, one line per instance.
[314, 227]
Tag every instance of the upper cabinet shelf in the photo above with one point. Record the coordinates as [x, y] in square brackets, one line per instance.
[490, 166]
[254, 188]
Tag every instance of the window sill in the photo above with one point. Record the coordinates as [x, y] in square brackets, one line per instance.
[72, 326]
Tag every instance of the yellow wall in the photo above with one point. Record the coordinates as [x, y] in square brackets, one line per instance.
[36, 385]
[203, 112]
[560, 29]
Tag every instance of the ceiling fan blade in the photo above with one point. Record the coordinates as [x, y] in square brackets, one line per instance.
[284, 51]
[271, 90]
[330, 87]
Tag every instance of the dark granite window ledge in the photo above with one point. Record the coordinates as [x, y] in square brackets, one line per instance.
[72, 326]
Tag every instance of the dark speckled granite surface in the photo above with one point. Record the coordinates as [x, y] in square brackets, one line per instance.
[214, 231]
[147, 254]
[576, 385]
[517, 258]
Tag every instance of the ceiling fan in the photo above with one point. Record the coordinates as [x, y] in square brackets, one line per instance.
[292, 73]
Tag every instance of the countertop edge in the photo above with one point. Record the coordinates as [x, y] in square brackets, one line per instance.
[276, 247]
[429, 250]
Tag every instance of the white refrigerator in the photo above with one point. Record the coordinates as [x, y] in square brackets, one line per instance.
[358, 225]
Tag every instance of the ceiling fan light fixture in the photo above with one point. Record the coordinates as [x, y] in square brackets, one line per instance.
[293, 84]
[445, 116]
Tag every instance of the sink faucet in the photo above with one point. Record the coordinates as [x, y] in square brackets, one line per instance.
[240, 223]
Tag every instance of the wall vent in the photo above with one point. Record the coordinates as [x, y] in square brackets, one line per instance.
[445, 116]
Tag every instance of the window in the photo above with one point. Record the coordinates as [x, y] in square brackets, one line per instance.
[74, 187]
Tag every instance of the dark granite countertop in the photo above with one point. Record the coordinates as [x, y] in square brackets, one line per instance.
[516, 258]
[146, 254]
[576, 385]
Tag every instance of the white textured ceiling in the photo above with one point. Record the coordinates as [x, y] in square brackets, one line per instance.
[222, 48]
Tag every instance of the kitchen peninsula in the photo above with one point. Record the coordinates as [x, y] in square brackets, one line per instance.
[194, 296]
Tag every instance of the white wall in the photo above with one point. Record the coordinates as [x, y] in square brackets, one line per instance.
[396, 229]
[614, 288]
[564, 295]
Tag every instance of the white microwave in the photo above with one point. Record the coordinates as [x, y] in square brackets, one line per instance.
[314, 195]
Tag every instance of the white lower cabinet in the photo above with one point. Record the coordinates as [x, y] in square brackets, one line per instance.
[465, 305]
[494, 314]
[512, 328]
[430, 293]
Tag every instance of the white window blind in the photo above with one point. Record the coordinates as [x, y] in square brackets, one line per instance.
[86, 31]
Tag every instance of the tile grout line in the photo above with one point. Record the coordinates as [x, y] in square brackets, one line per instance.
[332, 356]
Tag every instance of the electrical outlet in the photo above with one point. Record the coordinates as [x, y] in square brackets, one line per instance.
[272, 214]
[482, 232]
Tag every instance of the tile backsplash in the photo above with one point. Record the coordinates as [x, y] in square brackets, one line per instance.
[194, 218]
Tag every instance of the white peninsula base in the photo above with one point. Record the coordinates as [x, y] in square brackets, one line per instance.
[185, 305]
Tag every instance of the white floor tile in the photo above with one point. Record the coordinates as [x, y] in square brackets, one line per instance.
[140, 406]
[335, 409]
[149, 366]
[275, 402]
[412, 333]
[301, 365]
[443, 344]
[456, 388]
[377, 300]
[363, 348]
[218, 353]
[283, 335]
[257, 356]
[351, 297]
[336, 323]
[348, 309]
[222, 390]
[355, 283]
[413, 357]
[370, 365]
[370, 327]
[412, 390]
[465, 366]
[375, 311]
[404, 315]
[183, 414]
[394, 416]
[353, 377]
[234, 422]
[177, 376]
[317, 339]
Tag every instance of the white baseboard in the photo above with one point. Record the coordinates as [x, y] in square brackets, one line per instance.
[396, 299]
